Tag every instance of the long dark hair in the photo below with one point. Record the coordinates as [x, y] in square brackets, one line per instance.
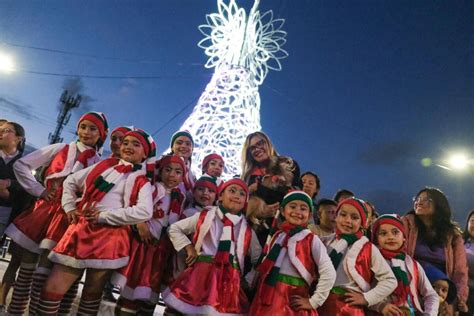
[442, 226]
[467, 237]
[19, 131]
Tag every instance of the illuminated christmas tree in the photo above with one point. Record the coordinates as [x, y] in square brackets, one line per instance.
[242, 48]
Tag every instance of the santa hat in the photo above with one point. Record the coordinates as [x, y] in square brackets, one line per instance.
[207, 182]
[149, 147]
[392, 219]
[99, 120]
[359, 205]
[121, 129]
[181, 133]
[208, 158]
[236, 181]
[297, 195]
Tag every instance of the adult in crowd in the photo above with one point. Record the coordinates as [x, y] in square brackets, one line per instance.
[13, 198]
[327, 218]
[261, 162]
[311, 184]
[434, 239]
[469, 247]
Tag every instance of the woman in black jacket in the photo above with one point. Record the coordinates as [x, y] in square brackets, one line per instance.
[13, 199]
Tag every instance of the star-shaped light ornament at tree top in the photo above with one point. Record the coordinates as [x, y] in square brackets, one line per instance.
[242, 48]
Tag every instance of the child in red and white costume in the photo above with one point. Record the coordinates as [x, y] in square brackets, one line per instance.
[204, 195]
[182, 145]
[414, 294]
[115, 193]
[294, 260]
[116, 139]
[222, 239]
[213, 166]
[358, 264]
[44, 226]
[151, 250]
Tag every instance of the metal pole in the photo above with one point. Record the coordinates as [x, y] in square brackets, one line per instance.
[68, 103]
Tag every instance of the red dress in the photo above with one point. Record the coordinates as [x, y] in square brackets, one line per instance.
[281, 301]
[97, 246]
[43, 227]
[100, 245]
[142, 278]
[32, 230]
[208, 287]
[277, 300]
[151, 265]
[335, 305]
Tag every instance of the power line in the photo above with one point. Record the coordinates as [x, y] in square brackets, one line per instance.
[139, 77]
[176, 115]
[71, 53]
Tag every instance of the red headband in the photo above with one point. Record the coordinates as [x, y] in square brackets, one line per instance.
[359, 205]
[392, 219]
[122, 129]
[166, 160]
[207, 183]
[208, 158]
[98, 120]
[146, 145]
[236, 181]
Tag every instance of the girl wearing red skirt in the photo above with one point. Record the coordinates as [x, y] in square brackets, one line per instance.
[182, 145]
[414, 294]
[222, 239]
[295, 260]
[116, 193]
[358, 264]
[151, 250]
[41, 228]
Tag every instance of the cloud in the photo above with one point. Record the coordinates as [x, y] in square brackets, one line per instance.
[75, 86]
[389, 152]
[18, 108]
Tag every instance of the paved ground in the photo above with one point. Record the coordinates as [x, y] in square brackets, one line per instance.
[106, 308]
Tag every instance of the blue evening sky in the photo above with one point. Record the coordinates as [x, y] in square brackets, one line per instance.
[368, 90]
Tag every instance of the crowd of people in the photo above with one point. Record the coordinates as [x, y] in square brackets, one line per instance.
[263, 243]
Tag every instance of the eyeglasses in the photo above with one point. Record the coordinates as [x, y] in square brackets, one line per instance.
[6, 130]
[421, 201]
[260, 144]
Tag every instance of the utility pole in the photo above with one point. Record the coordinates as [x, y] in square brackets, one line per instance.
[68, 103]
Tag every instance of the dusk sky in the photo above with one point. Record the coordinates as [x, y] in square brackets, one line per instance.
[368, 90]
